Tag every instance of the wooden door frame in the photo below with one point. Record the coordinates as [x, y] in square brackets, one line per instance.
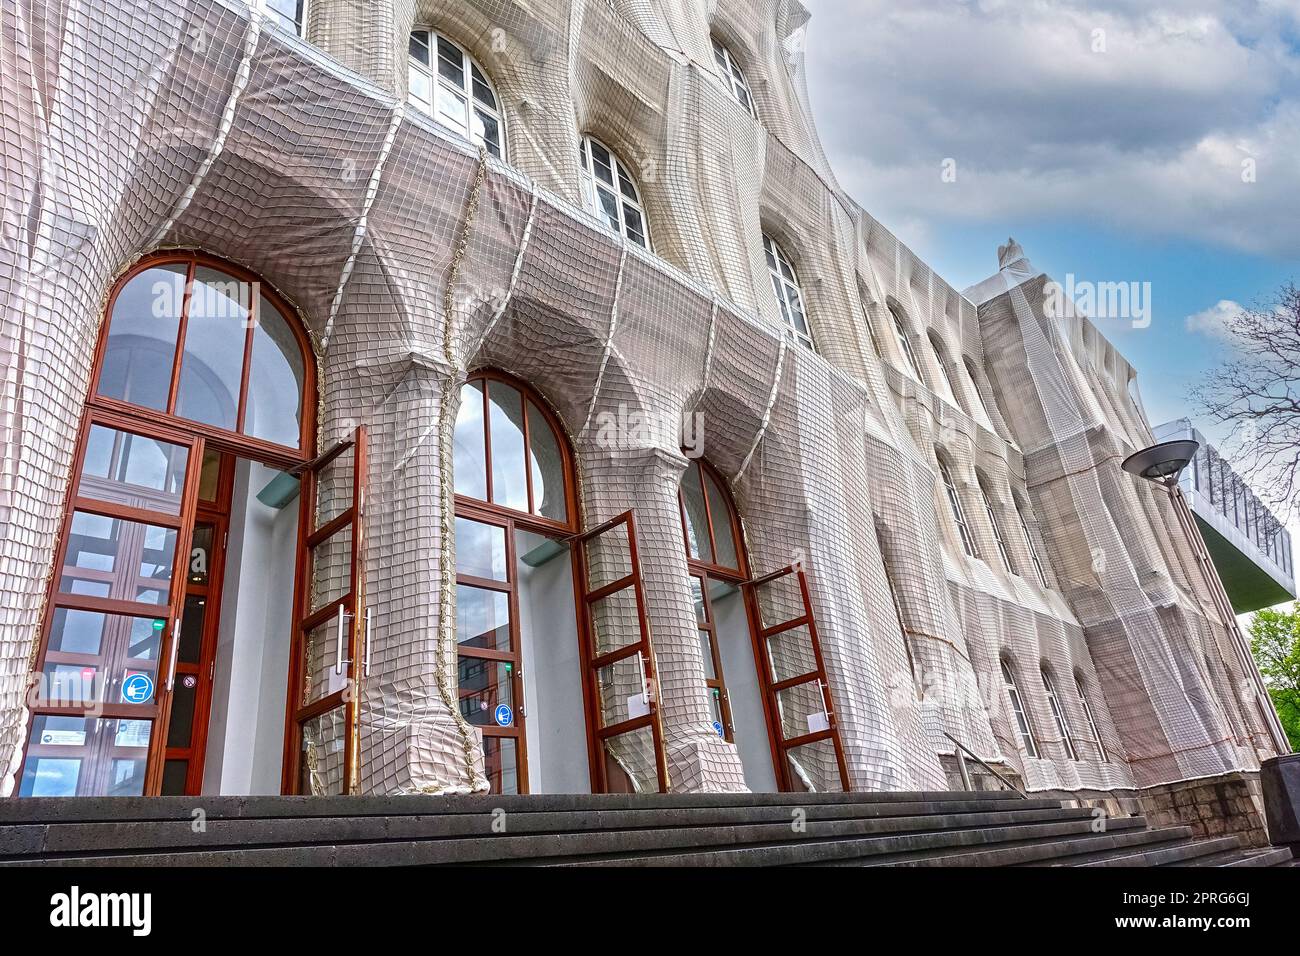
[166, 426]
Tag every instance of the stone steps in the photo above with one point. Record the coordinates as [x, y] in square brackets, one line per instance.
[894, 829]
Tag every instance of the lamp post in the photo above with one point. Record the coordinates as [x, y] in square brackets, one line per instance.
[1162, 464]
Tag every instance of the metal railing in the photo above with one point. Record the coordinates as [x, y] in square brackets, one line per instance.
[965, 776]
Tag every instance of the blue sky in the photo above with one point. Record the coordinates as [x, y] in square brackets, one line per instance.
[1111, 138]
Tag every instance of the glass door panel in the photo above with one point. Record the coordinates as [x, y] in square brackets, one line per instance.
[331, 637]
[620, 661]
[793, 674]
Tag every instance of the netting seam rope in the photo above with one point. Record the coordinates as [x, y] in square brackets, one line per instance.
[514, 275]
[767, 413]
[363, 224]
[446, 557]
[242, 76]
[609, 339]
[708, 348]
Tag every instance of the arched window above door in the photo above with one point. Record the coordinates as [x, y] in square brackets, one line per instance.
[708, 519]
[201, 340]
[508, 450]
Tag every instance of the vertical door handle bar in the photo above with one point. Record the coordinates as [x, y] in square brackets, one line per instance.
[176, 646]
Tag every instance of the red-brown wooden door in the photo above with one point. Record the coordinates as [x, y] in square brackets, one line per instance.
[332, 639]
[626, 735]
[793, 674]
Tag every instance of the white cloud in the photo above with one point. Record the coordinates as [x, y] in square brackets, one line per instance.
[1215, 322]
[1187, 125]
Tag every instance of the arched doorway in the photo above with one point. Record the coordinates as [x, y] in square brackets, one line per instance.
[174, 613]
[553, 652]
[765, 676]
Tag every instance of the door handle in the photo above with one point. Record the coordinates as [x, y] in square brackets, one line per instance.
[645, 684]
[176, 646]
[523, 694]
[826, 707]
[338, 648]
[365, 667]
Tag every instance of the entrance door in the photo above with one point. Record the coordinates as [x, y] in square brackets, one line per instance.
[623, 707]
[331, 649]
[794, 680]
[109, 644]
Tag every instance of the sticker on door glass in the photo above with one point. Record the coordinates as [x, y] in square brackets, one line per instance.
[137, 688]
[504, 715]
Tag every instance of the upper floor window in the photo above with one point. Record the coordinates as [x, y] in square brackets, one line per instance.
[1033, 551]
[609, 191]
[708, 519]
[905, 345]
[949, 390]
[443, 81]
[1092, 721]
[1058, 714]
[980, 410]
[958, 513]
[789, 296]
[734, 76]
[1018, 711]
[997, 528]
[289, 15]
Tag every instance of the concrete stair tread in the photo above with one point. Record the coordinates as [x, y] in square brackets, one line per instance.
[1245, 856]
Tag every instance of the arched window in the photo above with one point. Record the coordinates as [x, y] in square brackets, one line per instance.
[789, 296]
[508, 451]
[905, 345]
[981, 410]
[288, 15]
[733, 76]
[203, 341]
[445, 82]
[1058, 714]
[997, 528]
[949, 390]
[1018, 710]
[610, 191]
[1029, 543]
[1092, 720]
[958, 513]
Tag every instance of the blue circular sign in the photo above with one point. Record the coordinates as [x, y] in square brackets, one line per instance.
[717, 726]
[137, 689]
[504, 715]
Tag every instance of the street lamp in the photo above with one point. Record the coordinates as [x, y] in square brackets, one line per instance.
[1162, 463]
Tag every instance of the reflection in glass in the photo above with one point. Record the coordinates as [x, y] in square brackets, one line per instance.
[484, 686]
[482, 618]
[548, 468]
[697, 520]
[80, 756]
[469, 444]
[212, 367]
[275, 380]
[480, 550]
[501, 764]
[141, 346]
[509, 479]
[115, 558]
[133, 470]
[720, 509]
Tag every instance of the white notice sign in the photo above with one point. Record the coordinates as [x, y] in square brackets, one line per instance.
[637, 706]
[818, 722]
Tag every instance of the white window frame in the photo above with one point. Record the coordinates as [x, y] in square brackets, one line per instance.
[1058, 714]
[1033, 551]
[626, 198]
[905, 345]
[480, 104]
[946, 378]
[789, 293]
[980, 406]
[1092, 721]
[958, 512]
[282, 22]
[997, 529]
[1018, 710]
[733, 76]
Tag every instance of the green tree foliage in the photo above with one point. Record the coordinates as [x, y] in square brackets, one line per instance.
[1275, 642]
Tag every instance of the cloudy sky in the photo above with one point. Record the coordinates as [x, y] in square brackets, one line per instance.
[1117, 140]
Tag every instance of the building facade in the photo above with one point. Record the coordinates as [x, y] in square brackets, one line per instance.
[482, 396]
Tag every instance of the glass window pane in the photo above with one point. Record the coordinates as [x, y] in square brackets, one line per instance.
[622, 695]
[76, 756]
[92, 656]
[791, 653]
[324, 748]
[419, 46]
[451, 109]
[615, 621]
[133, 470]
[181, 728]
[630, 765]
[482, 618]
[191, 632]
[331, 568]
[509, 480]
[469, 443]
[801, 710]
[212, 366]
[720, 509]
[609, 557]
[813, 767]
[547, 462]
[481, 550]
[484, 686]
[501, 764]
[487, 130]
[706, 649]
[141, 347]
[275, 380]
[210, 475]
[174, 774]
[200, 554]
[321, 677]
[420, 87]
[697, 521]
[115, 558]
[451, 61]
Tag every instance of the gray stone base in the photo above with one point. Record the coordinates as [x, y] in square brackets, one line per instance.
[1213, 807]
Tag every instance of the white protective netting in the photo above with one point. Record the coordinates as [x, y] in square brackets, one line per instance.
[412, 259]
